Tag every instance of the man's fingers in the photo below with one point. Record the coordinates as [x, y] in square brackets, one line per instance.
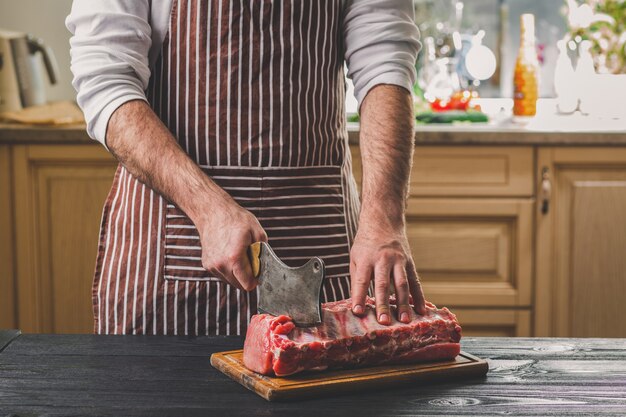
[228, 278]
[259, 235]
[360, 277]
[381, 285]
[242, 271]
[226, 274]
[402, 292]
[419, 302]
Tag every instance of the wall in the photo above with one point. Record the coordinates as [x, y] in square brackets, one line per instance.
[46, 20]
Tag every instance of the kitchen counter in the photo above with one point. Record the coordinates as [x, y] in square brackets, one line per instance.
[67, 134]
[158, 376]
[572, 130]
[566, 130]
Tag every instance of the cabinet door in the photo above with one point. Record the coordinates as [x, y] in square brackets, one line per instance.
[494, 323]
[7, 275]
[581, 244]
[59, 194]
[473, 252]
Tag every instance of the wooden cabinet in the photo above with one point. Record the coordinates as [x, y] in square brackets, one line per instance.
[58, 197]
[482, 244]
[581, 244]
[473, 252]
[494, 322]
[476, 226]
[470, 227]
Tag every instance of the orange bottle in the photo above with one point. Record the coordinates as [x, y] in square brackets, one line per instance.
[526, 78]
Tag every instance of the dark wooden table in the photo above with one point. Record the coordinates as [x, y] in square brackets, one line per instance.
[169, 376]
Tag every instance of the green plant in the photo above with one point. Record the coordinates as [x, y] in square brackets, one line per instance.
[603, 22]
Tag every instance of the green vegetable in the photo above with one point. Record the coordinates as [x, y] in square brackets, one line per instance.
[452, 116]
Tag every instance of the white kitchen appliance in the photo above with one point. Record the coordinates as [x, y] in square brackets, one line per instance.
[21, 72]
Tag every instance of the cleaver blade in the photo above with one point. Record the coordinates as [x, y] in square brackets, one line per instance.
[284, 290]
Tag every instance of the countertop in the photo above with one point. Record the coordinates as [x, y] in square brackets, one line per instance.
[555, 131]
[72, 375]
[17, 133]
[573, 130]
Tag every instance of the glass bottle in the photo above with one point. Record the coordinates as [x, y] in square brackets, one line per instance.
[526, 82]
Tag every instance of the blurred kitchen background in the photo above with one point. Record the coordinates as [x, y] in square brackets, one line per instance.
[517, 210]
[44, 19]
[467, 47]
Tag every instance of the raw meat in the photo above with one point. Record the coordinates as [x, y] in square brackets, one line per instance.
[275, 346]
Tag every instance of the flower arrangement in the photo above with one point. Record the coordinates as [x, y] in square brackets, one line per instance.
[603, 23]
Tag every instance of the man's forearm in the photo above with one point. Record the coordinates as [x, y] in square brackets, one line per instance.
[381, 252]
[141, 142]
[386, 143]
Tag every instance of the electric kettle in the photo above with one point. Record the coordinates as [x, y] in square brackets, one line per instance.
[21, 74]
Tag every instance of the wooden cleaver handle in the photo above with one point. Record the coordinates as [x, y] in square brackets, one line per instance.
[254, 251]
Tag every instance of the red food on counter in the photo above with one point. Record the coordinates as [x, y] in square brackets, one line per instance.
[275, 346]
[460, 100]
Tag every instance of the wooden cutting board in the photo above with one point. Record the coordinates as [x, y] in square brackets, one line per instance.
[317, 384]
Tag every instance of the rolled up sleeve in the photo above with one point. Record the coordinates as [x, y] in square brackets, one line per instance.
[381, 44]
[110, 43]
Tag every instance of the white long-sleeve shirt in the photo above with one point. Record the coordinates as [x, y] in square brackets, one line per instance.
[114, 43]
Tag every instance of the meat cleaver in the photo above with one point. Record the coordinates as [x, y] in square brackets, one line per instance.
[294, 292]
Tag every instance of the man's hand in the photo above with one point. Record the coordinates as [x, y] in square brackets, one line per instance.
[142, 143]
[384, 255]
[381, 250]
[225, 236]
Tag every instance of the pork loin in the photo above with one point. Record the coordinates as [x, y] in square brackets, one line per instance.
[275, 346]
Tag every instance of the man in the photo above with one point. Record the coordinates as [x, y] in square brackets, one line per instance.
[228, 120]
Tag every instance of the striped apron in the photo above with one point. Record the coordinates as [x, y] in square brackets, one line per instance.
[254, 93]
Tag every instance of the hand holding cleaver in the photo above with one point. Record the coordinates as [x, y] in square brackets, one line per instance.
[294, 292]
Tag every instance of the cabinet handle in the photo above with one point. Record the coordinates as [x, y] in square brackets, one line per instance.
[546, 190]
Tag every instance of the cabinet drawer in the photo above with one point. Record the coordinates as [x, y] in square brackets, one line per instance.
[494, 323]
[472, 171]
[472, 252]
[467, 171]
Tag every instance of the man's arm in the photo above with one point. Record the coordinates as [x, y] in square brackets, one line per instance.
[381, 250]
[141, 142]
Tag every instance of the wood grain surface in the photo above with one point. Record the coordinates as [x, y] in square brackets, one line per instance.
[323, 384]
[85, 375]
